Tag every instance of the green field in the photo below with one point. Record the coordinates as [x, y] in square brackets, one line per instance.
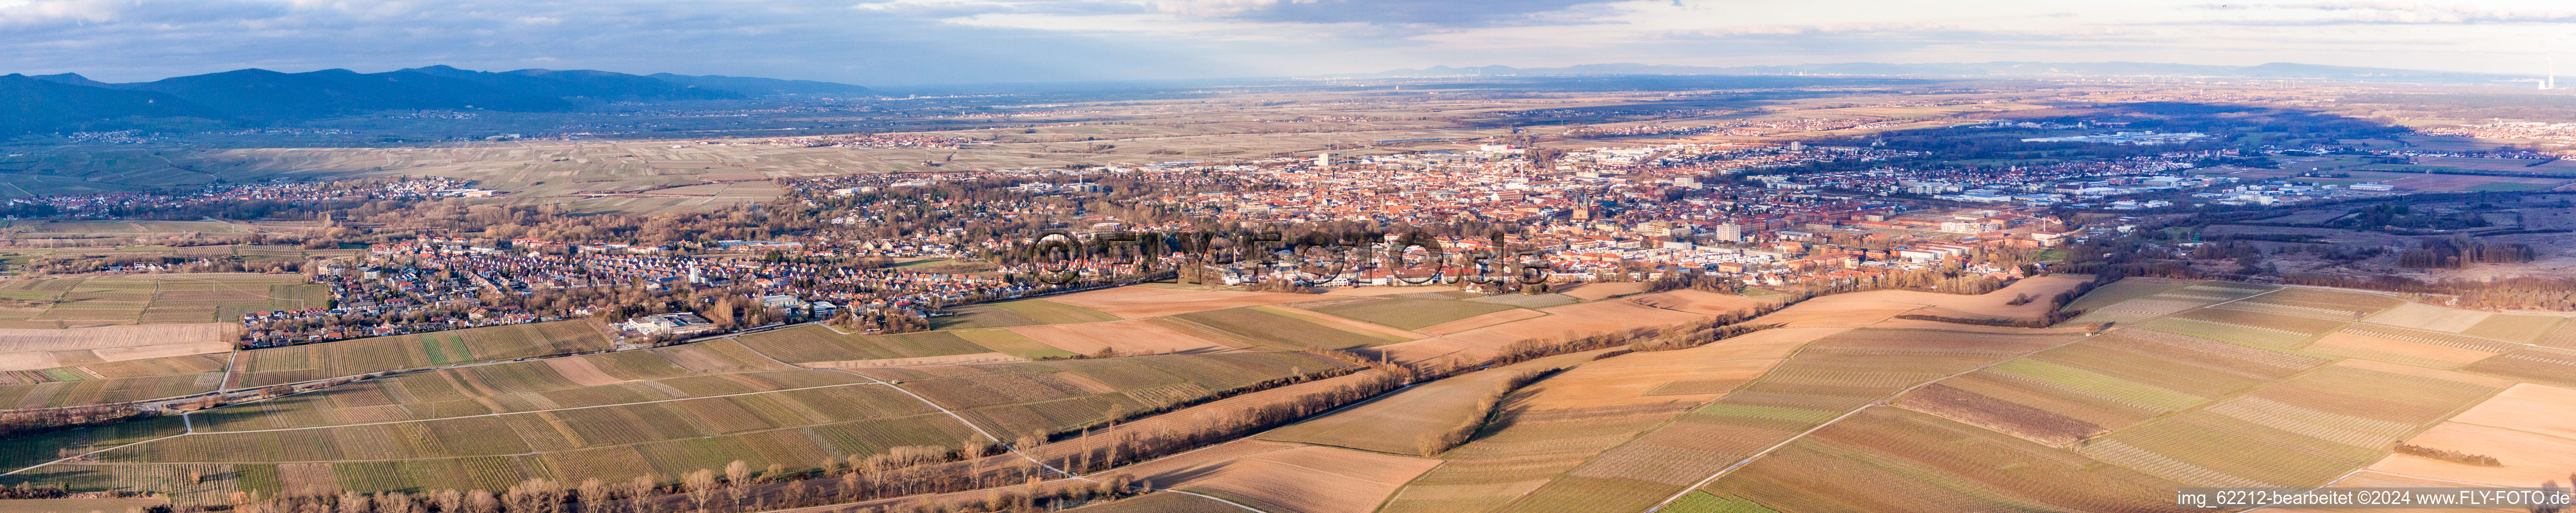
[1410, 313]
[1025, 312]
[668, 410]
[158, 298]
[817, 343]
[1006, 342]
[111, 382]
[263, 367]
[1273, 330]
[1829, 378]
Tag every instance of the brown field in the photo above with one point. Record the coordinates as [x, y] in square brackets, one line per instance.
[954, 359]
[1306, 479]
[1433, 349]
[1999, 416]
[2430, 318]
[2395, 351]
[28, 349]
[1481, 321]
[80, 505]
[1837, 311]
[1159, 502]
[1387, 291]
[1149, 302]
[1574, 320]
[1130, 336]
[1699, 302]
[2537, 409]
[2410, 370]
[1391, 424]
[1988, 305]
[1702, 373]
[2528, 459]
[1344, 323]
[1599, 291]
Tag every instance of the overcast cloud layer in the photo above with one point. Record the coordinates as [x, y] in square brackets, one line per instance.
[895, 42]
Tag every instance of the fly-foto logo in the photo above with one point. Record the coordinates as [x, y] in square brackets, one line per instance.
[1414, 258]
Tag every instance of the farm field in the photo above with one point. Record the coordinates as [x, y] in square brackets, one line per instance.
[1408, 313]
[1393, 423]
[111, 382]
[666, 410]
[155, 298]
[1024, 312]
[820, 345]
[1304, 479]
[1150, 302]
[29, 349]
[270, 366]
[1278, 330]
[2518, 427]
[1127, 337]
[1828, 378]
[2174, 301]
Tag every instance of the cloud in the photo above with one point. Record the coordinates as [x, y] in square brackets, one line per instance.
[879, 42]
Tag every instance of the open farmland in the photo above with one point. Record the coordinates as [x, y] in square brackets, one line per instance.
[1409, 313]
[1128, 337]
[1025, 312]
[1827, 379]
[667, 410]
[1266, 328]
[820, 345]
[271, 366]
[1393, 423]
[1150, 302]
[111, 382]
[28, 349]
[155, 298]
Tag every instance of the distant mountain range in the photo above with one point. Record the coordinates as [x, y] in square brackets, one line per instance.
[47, 103]
[2277, 70]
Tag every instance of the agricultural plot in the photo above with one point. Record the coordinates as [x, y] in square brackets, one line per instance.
[263, 367]
[2429, 318]
[2303, 431]
[2109, 382]
[2174, 301]
[1409, 313]
[1158, 502]
[2562, 336]
[1393, 423]
[2391, 350]
[111, 382]
[817, 344]
[667, 410]
[1025, 312]
[1127, 337]
[157, 298]
[1892, 459]
[1014, 344]
[1150, 302]
[2323, 304]
[2533, 364]
[1829, 378]
[661, 374]
[26, 349]
[2521, 427]
[2515, 328]
[1306, 479]
[1254, 327]
[1045, 398]
[2258, 329]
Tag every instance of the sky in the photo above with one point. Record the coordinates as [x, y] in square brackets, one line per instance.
[908, 42]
